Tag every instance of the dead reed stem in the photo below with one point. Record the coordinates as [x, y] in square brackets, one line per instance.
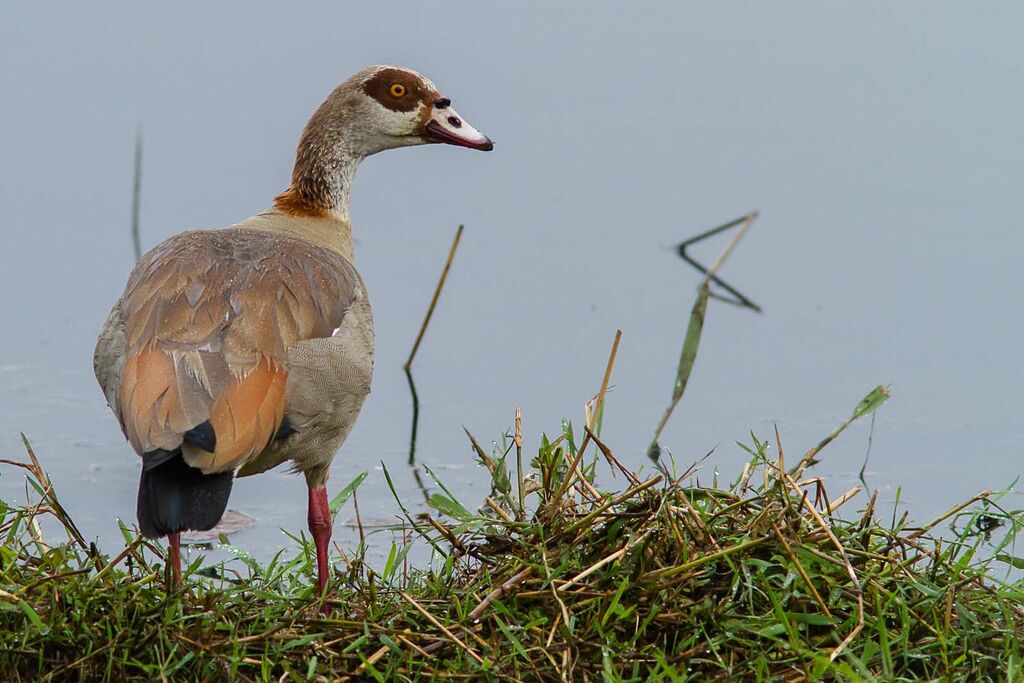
[433, 300]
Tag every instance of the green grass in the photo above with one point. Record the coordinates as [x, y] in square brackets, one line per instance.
[659, 580]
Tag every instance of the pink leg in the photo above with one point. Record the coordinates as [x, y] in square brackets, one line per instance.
[320, 529]
[174, 557]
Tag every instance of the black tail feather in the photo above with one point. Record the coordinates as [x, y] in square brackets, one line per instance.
[203, 436]
[174, 496]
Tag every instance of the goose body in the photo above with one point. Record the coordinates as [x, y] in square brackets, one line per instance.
[232, 351]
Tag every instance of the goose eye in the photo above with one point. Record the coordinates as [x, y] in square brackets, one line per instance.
[397, 90]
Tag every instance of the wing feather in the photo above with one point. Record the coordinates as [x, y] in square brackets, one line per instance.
[205, 325]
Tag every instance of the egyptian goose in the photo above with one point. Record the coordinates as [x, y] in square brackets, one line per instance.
[234, 350]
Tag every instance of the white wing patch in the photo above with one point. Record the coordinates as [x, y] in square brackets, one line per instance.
[357, 295]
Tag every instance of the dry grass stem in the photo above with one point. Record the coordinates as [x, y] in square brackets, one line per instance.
[440, 627]
[434, 299]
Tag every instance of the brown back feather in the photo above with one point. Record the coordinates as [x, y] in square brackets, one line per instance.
[209, 318]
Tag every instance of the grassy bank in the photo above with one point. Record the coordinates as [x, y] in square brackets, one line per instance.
[771, 578]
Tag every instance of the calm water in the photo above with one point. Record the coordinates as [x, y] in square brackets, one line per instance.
[881, 144]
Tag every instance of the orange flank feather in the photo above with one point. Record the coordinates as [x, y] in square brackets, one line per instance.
[152, 411]
[244, 418]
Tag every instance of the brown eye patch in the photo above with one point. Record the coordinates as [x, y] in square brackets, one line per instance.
[396, 89]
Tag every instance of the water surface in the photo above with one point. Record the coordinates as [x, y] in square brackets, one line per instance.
[881, 144]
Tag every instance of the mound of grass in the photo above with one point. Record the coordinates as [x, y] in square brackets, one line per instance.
[551, 579]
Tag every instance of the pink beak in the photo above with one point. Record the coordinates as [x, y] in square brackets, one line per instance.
[447, 126]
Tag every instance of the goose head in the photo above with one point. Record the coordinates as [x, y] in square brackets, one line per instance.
[400, 107]
[384, 107]
[378, 108]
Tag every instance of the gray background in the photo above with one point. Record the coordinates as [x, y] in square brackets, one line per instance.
[880, 141]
